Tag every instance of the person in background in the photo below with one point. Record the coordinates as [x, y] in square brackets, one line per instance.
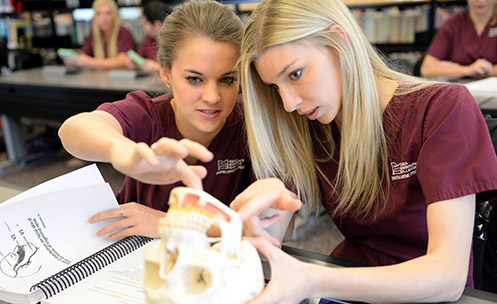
[195, 132]
[154, 13]
[397, 162]
[108, 42]
[465, 45]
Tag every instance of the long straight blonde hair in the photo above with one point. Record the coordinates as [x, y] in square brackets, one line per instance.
[98, 42]
[283, 144]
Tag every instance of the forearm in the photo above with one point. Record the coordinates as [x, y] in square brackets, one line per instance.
[438, 276]
[425, 279]
[91, 137]
[443, 69]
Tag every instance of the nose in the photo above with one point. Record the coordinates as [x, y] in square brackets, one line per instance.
[211, 93]
[290, 101]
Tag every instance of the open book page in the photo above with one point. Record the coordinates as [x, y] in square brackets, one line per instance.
[118, 283]
[483, 87]
[88, 175]
[44, 234]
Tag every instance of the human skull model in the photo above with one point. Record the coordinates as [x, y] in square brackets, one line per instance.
[184, 267]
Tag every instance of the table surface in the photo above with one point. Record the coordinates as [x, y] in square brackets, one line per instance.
[84, 79]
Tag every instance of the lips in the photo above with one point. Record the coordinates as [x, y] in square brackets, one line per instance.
[311, 114]
[209, 114]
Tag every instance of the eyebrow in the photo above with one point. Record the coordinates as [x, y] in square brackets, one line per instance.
[202, 74]
[285, 68]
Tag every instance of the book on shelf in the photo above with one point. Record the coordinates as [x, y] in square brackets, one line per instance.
[49, 250]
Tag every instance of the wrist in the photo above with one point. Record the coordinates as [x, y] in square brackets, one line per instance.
[117, 146]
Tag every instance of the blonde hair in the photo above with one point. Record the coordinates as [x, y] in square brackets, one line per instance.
[208, 19]
[98, 43]
[281, 144]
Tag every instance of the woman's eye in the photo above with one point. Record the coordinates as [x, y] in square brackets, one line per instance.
[193, 79]
[228, 80]
[295, 74]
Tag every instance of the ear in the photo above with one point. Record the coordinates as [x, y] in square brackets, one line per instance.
[165, 75]
[340, 31]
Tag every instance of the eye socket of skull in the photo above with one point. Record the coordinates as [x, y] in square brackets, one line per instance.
[199, 279]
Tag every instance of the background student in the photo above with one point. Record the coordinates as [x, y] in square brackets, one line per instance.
[398, 164]
[196, 132]
[465, 45]
[154, 13]
[108, 42]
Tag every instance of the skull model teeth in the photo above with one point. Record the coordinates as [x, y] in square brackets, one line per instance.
[184, 268]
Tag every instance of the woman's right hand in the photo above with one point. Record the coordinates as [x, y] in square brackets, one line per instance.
[163, 162]
[254, 203]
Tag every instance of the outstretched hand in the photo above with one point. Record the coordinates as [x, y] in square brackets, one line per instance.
[254, 201]
[133, 219]
[163, 162]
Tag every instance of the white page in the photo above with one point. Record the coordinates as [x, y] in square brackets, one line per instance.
[42, 235]
[118, 283]
[483, 88]
[88, 175]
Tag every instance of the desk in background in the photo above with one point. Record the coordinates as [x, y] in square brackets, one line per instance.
[31, 93]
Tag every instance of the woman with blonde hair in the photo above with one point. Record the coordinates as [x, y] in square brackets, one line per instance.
[108, 42]
[398, 164]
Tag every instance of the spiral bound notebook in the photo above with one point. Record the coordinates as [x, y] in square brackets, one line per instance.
[46, 240]
[88, 266]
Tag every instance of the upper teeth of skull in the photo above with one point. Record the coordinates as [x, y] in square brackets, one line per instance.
[187, 219]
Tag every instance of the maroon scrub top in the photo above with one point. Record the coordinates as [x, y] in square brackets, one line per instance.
[125, 42]
[439, 148]
[458, 42]
[148, 49]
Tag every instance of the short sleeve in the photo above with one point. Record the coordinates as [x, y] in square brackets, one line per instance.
[457, 157]
[136, 115]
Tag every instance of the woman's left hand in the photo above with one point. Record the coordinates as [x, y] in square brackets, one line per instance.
[134, 219]
[290, 278]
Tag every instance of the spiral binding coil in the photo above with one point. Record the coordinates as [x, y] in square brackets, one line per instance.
[88, 266]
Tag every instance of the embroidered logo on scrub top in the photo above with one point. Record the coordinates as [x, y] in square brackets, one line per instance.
[403, 170]
[492, 32]
[228, 166]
